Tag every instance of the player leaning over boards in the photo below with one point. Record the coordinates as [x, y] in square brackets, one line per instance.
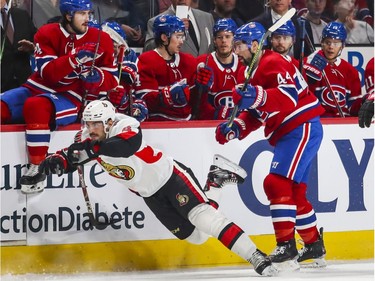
[278, 97]
[169, 189]
[53, 95]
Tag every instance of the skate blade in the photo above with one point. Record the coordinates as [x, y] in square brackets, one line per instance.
[287, 266]
[32, 188]
[314, 263]
[228, 165]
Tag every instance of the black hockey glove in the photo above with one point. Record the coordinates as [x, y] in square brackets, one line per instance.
[57, 163]
[366, 112]
[87, 146]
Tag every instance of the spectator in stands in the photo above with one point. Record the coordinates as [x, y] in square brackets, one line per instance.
[44, 10]
[165, 73]
[248, 9]
[65, 79]
[223, 64]
[277, 8]
[196, 22]
[313, 16]
[225, 9]
[358, 32]
[342, 77]
[18, 46]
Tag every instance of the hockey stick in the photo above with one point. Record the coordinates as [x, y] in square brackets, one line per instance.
[5, 25]
[97, 224]
[197, 104]
[92, 65]
[338, 107]
[303, 34]
[287, 16]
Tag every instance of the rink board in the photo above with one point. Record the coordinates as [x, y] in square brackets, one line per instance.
[52, 225]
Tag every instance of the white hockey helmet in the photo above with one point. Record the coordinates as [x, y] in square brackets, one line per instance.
[99, 110]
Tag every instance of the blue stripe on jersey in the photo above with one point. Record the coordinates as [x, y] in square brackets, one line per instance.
[306, 221]
[34, 138]
[280, 213]
[291, 91]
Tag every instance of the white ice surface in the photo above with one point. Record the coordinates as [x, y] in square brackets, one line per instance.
[357, 271]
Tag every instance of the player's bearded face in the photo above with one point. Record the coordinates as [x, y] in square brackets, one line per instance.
[96, 130]
[242, 51]
[281, 44]
[79, 21]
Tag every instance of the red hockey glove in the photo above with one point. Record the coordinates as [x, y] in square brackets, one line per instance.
[176, 95]
[205, 78]
[224, 133]
[117, 96]
[140, 110]
[251, 97]
[92, 80]
[315, 64]
[128, 74]
[84, 54]
[366, 112]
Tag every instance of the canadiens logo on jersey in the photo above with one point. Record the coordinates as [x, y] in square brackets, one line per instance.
[182, 199]
[121, 171]
[326, 96]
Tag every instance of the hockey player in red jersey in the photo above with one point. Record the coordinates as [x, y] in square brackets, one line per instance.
[278, 97]
[166, 74]
[366, 112]
[226, 71]
[168, 187]
[122, 97]
[342, 76]
[66, 76]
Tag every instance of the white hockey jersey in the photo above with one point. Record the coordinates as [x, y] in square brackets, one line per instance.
[144, 170]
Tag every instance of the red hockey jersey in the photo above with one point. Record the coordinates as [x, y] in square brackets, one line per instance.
[54, 72]
[345, 82]
[289, 103]
[155, 73]
[220, 94]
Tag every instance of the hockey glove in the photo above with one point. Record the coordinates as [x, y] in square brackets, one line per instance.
[84, 54]
[128, 74]
[140, 110]
[92, 80]
[176, 95]
[251, 97]
[315, 64]
[57, 163]
[205, 78]
[224, 133]
[366, 112]
[89, 147]
[117, 96]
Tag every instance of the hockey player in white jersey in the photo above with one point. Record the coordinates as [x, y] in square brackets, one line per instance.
[169, 189]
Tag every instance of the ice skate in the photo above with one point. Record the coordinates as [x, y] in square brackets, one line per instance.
[312, 255]
[262, 264]
[32, 181]
[224, 171]
[285, 256]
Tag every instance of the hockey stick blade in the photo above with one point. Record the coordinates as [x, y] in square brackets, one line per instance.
[287, 16]
[95, 223]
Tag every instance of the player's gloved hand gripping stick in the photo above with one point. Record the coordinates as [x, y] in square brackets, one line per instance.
[287, 16]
